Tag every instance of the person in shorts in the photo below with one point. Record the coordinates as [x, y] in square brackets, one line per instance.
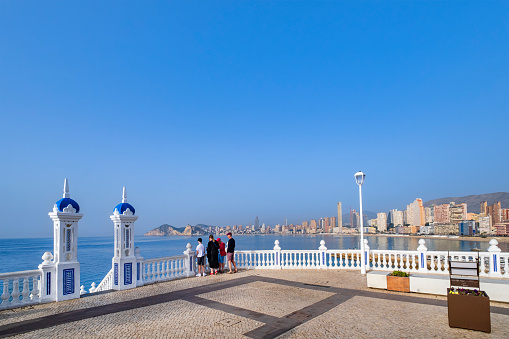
[200, 256]
[230, 251]
[222, 254]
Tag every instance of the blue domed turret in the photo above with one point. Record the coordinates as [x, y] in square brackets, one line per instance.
[64, 202]
[123, 206]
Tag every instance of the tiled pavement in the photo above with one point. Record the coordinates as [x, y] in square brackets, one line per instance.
[250, 304]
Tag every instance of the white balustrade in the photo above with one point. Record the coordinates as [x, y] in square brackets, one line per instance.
[20, 288]
[163, 269]
[105, 285]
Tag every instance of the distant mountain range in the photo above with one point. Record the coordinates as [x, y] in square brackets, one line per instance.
[167, 230]
[474, 201]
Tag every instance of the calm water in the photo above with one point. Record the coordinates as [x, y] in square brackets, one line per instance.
[94, 254]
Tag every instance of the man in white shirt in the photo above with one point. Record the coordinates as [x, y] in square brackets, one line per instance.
[200, 256]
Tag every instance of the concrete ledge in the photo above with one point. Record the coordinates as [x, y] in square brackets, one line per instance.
[377, 279]
[497, 289]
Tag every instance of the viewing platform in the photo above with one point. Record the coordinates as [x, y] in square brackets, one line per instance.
[250, 304]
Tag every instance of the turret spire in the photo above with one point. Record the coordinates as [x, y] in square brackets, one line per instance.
[124, 195]
[66, 189]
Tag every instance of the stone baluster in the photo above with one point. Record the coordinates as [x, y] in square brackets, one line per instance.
[6, 295]
[47, 269]
[277, 255]
[26, 290]
[322, 260]
[92, 287]
[35, 288]
[367, 255]
[423, 262]
[15, 291]
[189, 261]
[494, 258]
[139, 267]
[82, 290]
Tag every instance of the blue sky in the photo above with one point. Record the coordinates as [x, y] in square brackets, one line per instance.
[217, 112]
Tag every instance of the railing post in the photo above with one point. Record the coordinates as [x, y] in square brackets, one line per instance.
[322, 253]
[189, 261]
[367, 263]
[277, 255]
[139, 267]
[494, 258]
[423, 261]
[48, 278]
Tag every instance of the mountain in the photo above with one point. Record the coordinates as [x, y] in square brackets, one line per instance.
[167, 230]
[473, 201]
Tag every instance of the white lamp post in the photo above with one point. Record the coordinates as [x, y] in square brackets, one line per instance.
[359, 178]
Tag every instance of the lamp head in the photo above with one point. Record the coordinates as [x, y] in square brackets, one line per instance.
[359, 178]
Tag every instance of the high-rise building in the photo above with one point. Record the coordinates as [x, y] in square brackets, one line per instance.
[505, 214]
[442, 215]
[484, 224]
[313, 226]
[354, 219]
[428, 215]
[340, 217]
[398, 218]
[257, 224]
[381, 222]
[326, 225]
[484, 207]
[457, 213]
[417, 213]
[495, 213]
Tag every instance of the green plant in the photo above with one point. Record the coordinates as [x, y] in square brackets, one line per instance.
[399, 274]
[465, 291]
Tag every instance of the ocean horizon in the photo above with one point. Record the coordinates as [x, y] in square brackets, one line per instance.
[95, 253]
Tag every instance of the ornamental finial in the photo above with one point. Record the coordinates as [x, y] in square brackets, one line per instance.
[124, 195]
[66, 189]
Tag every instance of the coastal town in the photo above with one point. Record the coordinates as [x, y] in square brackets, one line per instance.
[444, 219]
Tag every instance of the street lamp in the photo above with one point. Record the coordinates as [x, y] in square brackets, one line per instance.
[359, 178]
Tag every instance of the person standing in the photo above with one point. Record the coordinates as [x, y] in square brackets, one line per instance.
[212, 255]
[222, 254]
[200, 256]
[230, 251]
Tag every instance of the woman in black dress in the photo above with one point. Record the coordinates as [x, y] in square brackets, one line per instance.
[212, 253]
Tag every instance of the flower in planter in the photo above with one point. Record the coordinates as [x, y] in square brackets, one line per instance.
[399, 274]
[465, 291]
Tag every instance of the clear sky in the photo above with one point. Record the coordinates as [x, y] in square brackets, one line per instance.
[218, 112]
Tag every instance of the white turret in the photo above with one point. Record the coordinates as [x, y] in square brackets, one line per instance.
[125, 268]
[63, 273]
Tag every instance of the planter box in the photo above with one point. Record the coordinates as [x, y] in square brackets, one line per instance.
[398, 284]
[469, 312]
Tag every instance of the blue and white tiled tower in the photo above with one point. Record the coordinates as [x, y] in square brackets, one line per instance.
[62, 275]
[125, 270]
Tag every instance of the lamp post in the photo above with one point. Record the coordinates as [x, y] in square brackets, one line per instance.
[359, 178]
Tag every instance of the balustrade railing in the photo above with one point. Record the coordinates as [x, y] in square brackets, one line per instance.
[163, 269]
[20, 288]
[24, 288]
[105, 285]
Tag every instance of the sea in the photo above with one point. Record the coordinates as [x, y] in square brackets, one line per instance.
[95, 253]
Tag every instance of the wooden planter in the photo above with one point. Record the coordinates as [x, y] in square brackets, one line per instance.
[398, 284]
[469, 312]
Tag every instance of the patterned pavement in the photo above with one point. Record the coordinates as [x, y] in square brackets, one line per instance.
[249, 304]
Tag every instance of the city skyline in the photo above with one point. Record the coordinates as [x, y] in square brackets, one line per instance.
[217, 113]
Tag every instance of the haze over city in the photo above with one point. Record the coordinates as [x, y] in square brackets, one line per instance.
[215, 114]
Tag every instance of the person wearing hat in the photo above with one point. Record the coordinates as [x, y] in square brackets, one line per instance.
[222, 253]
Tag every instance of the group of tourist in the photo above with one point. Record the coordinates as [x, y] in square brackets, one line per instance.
[217, 253]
